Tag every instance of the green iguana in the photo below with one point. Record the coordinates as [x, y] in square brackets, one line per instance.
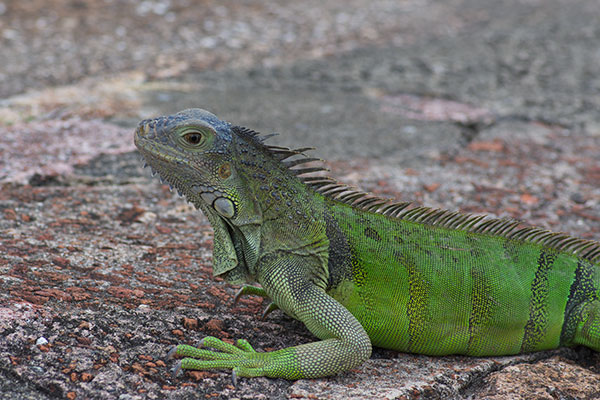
[361, 271]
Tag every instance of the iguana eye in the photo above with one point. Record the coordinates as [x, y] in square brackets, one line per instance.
[193, 138]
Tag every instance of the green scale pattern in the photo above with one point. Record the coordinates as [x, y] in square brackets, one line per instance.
[440, 291]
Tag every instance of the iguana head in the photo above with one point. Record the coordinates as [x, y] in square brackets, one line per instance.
[190, 151]
[193, 151]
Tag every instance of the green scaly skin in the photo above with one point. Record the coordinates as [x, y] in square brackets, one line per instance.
[361, 271]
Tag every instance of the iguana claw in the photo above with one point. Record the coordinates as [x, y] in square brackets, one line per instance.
[171, 353]
[176, 369]
[270, 308]
[234, 378]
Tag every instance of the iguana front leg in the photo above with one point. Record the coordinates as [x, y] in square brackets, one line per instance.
[344, 343]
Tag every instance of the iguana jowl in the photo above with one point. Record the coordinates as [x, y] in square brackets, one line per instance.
[358, 270]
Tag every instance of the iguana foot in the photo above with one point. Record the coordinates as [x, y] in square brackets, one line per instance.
[241, 358]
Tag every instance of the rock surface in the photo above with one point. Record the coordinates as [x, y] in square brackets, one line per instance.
[480, 106]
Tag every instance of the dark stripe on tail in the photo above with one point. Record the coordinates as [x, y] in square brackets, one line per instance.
[582, 290]
[536, 325]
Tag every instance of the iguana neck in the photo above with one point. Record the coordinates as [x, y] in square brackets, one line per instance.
[290, 212]
[283, 201]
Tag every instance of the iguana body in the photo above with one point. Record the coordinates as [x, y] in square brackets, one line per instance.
[360, 271]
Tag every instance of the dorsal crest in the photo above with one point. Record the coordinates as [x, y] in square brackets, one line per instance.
[364, 201]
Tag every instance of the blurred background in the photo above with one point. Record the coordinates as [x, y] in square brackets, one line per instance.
[332, 73]
[387, 84]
